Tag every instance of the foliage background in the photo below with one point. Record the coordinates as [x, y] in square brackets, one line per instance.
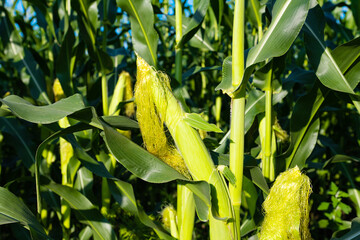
[40, 42]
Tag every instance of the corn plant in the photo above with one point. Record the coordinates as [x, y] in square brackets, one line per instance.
[140, 119]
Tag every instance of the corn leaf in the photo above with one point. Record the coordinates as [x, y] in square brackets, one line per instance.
[336, 69]
[198, 40]
[12, 209]
[85, 210]
[301, 122]
[354, 232]
[355, 8]
[137, 160]
[144, 36]
[22, 141]
[288, 17]
[123, 193]
[196, 121]
[307, 145]
[65, 62]
[191, 27]
[43, 114]
[121, 122]
[98, 168]
[24, 58]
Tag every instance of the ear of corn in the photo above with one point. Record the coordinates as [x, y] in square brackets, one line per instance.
[156, 106]
[151, 125]
[129, 107]
[287, 208]
[169, 220]
[123, 91]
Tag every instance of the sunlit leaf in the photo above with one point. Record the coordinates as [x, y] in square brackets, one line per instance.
[43, 114]
[196, 121]
[145, 38]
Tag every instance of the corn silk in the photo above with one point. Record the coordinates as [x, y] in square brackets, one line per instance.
[287, 208]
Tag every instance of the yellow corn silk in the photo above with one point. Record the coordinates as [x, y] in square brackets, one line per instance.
[151, 124]
[287, 208]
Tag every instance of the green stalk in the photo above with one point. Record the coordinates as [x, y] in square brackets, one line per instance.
[269, 168]
[185, 199]
[104, 87]
[237, 125]
[178, 51]
[185, 212]
[203, 77]
[105, 192]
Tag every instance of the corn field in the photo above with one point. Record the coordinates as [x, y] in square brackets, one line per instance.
[180, 119]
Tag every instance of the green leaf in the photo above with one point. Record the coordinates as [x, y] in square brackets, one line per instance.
[12, 209]
[347, 57]
[84, 176]
[137, 160]
[255, 105]
[43, 114]
[65, 62]
[250, 194]
[198, 40]
[23, 144]
[88, 24]
[85, 234]
[121, 122]
[218, 8]
[355, 8]
[86, 27]
[288, 17]
[354, 232]
[145, 39]
[202, 197]
[37, 81]
[42, 9]
[226, 172]
[192, 26]
[196, 121]
[254, 173]
[149, 168]
[85, 210]
[226, 82]
[302, 118]
[307, 145]
[248, 226]
[194, 70]
[84, 182]
[123, 193]
[339, 158]
[320, 57]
